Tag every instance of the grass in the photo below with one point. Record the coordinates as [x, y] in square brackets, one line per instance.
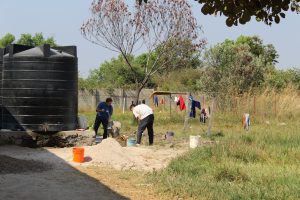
[262, 163]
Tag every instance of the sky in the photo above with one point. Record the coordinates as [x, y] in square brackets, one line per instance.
[62, 19]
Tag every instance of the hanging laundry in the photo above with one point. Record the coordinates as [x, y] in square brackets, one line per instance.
[178, 102]
[246, 121]
[194, 105]
[203, 116]
[197, 104]
[156, 101]
[176, 99]
[181, 103]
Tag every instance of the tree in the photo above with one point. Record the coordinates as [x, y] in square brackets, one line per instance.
[115, 74]
[36, 40]
[280, 79]
[237, 66]
[241, 11]
[6, 40]
[153, 27]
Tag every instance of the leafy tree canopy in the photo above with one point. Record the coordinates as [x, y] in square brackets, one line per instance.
[36, 40]
[281, 79]
[237, 66]
[241, 11]
[27, 39]
[116, 74]
[7, 39]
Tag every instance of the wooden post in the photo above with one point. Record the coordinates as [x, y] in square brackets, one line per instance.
[124, 100]
[211, 118]
[124, 105]
[170, 105]
[236, 105]
[187, 116]
[275, 106]
[254, 104]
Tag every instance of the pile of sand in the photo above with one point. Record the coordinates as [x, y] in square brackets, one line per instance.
[110, 152]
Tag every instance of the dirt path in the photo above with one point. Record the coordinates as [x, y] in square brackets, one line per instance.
[48, 174]
[61, 181]
[128, 183]
[109, 152]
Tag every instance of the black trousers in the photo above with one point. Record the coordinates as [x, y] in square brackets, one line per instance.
[104, 122]
[146, 123]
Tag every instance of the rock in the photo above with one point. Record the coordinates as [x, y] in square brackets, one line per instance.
[115, 128]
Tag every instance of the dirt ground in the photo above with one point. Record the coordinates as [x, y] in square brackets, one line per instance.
[50, 173]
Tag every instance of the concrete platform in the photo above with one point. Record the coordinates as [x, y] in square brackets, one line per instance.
[59, 139]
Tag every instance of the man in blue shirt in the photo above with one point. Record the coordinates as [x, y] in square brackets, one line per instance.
[104, 112]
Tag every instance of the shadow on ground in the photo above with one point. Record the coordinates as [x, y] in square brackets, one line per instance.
[34, 174]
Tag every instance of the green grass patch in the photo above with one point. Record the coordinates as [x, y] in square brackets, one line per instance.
[262, 163]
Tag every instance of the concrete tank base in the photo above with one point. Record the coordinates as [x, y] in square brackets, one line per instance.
[59, 139]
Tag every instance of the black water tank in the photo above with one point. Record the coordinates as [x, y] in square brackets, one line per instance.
[40, 88]
[1, 67]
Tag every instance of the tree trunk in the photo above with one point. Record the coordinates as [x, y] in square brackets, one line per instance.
[137, 94]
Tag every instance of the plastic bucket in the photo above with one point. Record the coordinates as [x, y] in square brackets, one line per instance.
[78, 154]
[194, 141]
[131, 142]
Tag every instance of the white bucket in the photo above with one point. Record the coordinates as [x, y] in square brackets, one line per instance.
[194, 141]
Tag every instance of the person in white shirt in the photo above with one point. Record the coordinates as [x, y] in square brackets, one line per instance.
[145, 116]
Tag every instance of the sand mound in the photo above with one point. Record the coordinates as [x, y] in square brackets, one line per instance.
[110, 152]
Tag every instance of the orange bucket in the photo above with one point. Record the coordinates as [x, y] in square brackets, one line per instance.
[78, 154]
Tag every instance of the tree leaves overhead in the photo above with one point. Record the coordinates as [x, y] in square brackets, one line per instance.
[241, 11]
[27, 39]
[36, 40]
[237, 66]
[141, 1]
[7, 39]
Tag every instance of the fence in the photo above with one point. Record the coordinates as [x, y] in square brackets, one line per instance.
[88, 100]
[267, 104]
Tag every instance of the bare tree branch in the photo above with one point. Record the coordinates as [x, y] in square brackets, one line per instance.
[154, 27]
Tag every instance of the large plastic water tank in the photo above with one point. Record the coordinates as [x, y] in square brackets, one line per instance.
[1, 66]
[39, 88]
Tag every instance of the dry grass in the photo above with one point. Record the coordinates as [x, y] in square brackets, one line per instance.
[262, 163]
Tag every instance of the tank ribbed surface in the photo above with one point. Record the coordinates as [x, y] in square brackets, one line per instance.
[39, 88]
[1, 68]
